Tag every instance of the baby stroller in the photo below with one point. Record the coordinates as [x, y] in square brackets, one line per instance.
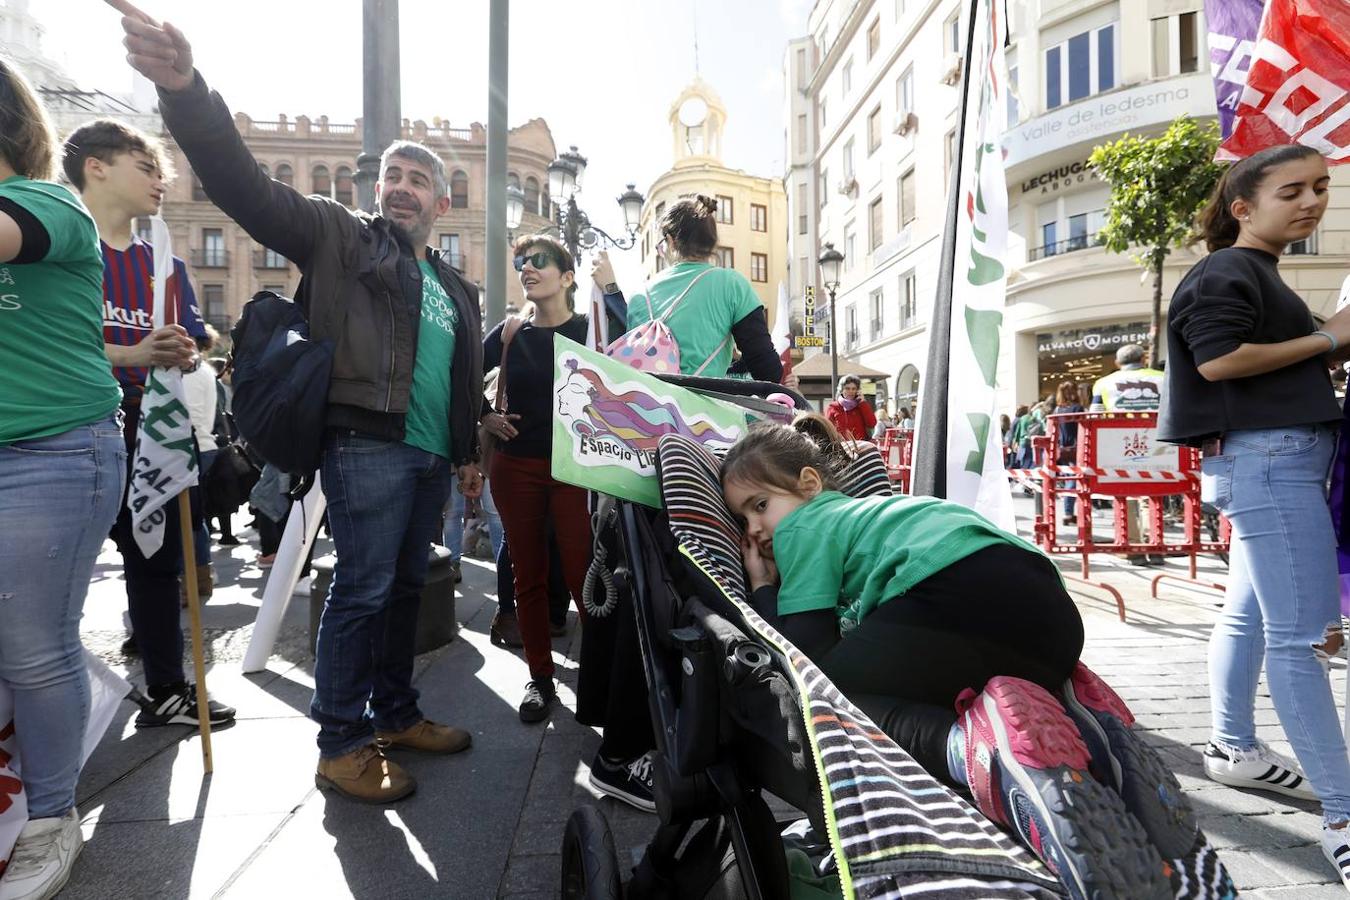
[738, 713]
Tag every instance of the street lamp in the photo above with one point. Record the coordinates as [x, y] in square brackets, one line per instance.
[571, 224]
[515, 207]
[830, 260]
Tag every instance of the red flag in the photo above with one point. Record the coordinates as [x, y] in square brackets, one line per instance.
[1298, 85]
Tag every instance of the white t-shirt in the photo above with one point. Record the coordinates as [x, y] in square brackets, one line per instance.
[199, 390]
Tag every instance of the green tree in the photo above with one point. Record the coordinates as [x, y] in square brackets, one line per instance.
[1158, 184]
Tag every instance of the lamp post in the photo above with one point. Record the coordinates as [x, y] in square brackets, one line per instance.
[830, 259]
[515, 208]
[572, 225]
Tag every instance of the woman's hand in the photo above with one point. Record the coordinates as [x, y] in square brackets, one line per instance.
[499, 425]
[602, 271]
[759, 569]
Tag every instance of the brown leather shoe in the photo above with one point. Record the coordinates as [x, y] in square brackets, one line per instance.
[365, 775]
[505, 631]
[425, 737]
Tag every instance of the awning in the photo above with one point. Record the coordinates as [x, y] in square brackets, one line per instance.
[818, 366]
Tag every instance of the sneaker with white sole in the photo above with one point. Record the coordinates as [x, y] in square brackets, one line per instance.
[180, 708]
[1260, 768]
[629, 781]
[43, 857]
[1336, 847]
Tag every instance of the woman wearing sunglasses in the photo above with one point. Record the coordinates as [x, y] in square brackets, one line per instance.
[714, 307]
[527, 496]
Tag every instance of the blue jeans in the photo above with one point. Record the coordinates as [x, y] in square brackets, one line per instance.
[454, 523]
[1282, 593]
[59, 497]
[201, 533]
[384, 511]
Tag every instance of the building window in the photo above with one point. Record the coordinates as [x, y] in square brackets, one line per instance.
[875, 314]
[450, 248]
[724, 211]
[212, 254]
[899, 9]
[1083, 65]
[1305, 247]
[848, 160]
[874, 37]
[1014, 116]
[143, 229]
[1176, 44]
[803, 272]
[801, 208]
[1065, 233]
[850, 245]
[821, 116]
[213, 303]
[875, 226]
[513, 181]
[802, 138]
[726, 257]
[266, 171]
[285, 174]
[278, 289]
[759, 267]
[343, 187]
[759, 217]
[532, 196]
[320, 181]
[848, 76]
[198, 192]
[951, 34]
[905, 192]
[850, 326]
[948, 156]
[824, 187]
[874, 130]
[802, 73]
[660, 211]
[459, 190]
[267, 258]
[909, 300]
[904, 92]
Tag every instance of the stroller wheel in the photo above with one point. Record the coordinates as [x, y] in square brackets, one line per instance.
[590, 866]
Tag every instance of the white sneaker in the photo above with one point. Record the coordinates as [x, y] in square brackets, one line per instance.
[1260, 768]
[1336, 846]
[42, 858]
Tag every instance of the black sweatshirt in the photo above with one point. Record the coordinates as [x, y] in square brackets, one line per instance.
[529, 382]
[1235, 296]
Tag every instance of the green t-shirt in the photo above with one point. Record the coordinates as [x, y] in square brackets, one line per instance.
[852, 554]
[54, 374]
[428, 420]
[702, 322]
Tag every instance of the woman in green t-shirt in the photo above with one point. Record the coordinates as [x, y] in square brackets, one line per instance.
[706, 307]
[62, 468]
[961, 643]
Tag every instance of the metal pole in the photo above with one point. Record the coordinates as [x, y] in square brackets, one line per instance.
[834, 353]
[381, 118]
[571, 234]
[498, 54]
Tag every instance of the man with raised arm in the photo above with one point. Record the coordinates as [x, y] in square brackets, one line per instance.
[403, 404]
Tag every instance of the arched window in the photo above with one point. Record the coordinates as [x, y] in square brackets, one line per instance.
[512, 180]
[532, 196]
[198, 192]
[266, 171]
[342, 186]
[459, 190]
[285, 174]
[320, 181]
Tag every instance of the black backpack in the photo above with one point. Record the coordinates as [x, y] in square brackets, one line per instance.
[280, 383]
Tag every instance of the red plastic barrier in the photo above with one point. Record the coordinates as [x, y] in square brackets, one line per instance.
[897, 449]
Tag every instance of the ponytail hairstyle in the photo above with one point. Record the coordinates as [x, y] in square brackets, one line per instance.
[691, 227]
[774, 455]
[27, 140]
[1216, 225]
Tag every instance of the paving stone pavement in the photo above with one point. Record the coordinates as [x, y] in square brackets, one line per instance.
[488, 823]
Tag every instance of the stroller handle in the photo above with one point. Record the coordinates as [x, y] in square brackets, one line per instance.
[738, 387]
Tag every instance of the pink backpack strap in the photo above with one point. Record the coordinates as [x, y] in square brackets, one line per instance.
[708, 361]
[684, 293]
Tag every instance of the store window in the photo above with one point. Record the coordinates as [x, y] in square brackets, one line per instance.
[1176, 44]
[1083, 65]
[1082, 355]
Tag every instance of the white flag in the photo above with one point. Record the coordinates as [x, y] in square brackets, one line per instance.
[975, 475]
[166, 459]
[597, 336]
[782, 323]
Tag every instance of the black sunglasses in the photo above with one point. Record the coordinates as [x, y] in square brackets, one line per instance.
[538, 260]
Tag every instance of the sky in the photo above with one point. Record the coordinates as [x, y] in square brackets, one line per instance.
[602, 73]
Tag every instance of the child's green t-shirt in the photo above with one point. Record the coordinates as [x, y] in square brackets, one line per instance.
[851, 554]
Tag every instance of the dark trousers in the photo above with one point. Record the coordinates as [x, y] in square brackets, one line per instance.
[1002, 610]
[152, 585]
[529, 500]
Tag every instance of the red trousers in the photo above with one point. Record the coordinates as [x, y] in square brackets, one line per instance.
[527, 498]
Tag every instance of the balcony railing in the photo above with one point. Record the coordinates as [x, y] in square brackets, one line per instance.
[211, 258]
[268, 259]
[1068, 245]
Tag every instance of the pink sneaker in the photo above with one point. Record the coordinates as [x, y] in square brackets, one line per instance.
[1027, 769]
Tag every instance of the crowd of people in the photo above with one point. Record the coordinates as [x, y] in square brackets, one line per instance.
[958, 639]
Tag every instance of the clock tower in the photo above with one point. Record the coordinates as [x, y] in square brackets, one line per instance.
[697, 118]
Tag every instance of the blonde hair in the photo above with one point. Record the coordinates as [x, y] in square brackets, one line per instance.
[27, 139]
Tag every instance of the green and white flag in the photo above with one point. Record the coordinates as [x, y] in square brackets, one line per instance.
[166, 459]
[975, 474]
[608, 419]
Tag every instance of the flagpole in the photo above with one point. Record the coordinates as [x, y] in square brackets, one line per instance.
[195, 617]
[930, 427]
